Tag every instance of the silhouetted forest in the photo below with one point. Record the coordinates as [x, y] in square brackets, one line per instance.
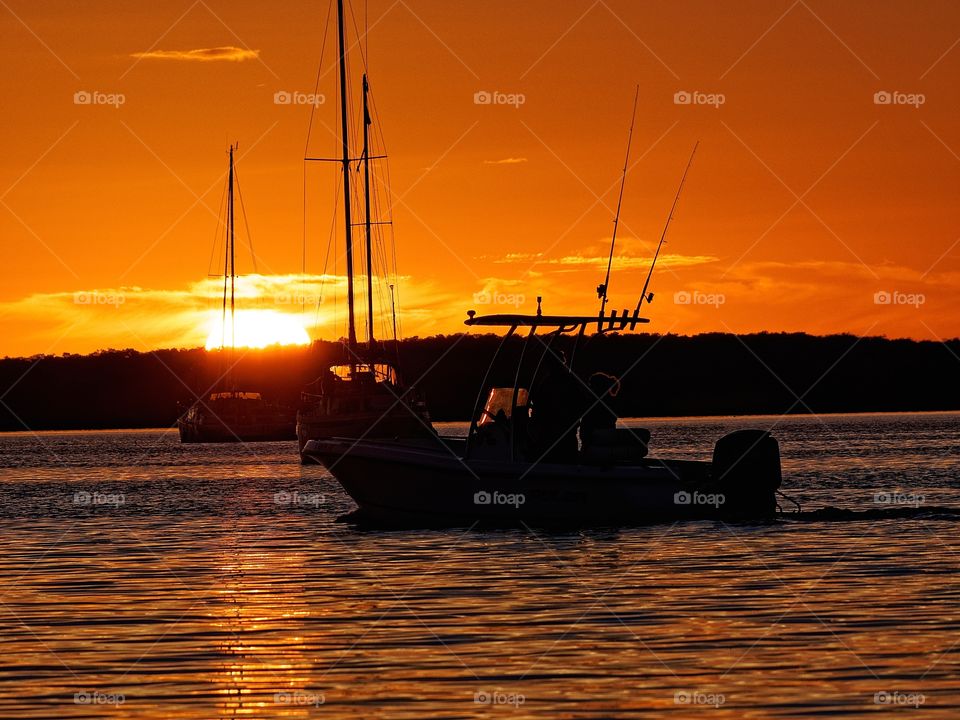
[711, 374]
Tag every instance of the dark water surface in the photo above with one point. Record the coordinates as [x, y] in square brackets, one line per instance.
[142, 578]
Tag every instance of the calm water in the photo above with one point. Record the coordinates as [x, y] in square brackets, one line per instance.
[142, 578]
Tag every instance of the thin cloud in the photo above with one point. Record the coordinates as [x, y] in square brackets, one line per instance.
[506, 161]
[621, 261]
[227, 53]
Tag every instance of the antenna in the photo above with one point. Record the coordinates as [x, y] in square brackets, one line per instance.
[602, 289]
[663, 235]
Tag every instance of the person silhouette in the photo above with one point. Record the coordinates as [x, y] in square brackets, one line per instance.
[599, 416]
[555, 401]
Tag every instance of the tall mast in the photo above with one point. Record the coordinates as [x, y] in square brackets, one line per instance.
[344, 132]
[233, 270]
[393, 310]
[226, 279]
[366, 194]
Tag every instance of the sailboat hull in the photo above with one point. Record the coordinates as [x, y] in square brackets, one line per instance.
[236, 421]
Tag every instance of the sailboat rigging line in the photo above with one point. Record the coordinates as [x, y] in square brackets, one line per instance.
[216, 233]
[361, 39]
[393, 236]
[331, 239]
[316, 85]
[381, 257]
[306, 150]
[246, 224]
[602, 290]
[666, 226]
[303, 246]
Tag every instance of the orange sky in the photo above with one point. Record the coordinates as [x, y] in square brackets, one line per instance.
[806, 199]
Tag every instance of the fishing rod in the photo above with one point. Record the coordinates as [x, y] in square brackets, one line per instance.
[602, 289]
[663, 236]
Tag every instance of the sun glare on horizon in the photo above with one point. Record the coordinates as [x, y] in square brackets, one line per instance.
[255, 329]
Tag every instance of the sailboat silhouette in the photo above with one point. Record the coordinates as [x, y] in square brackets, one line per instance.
[228, 414]
[362, 393]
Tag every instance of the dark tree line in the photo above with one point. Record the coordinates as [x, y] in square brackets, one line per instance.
[709, 374]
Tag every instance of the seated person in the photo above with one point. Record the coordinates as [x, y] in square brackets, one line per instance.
[598, 414]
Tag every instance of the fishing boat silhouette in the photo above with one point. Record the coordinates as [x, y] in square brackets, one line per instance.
[546, 450]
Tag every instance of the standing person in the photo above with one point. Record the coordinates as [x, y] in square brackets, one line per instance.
[556, 404]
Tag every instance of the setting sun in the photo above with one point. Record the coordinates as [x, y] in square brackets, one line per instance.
[255, 329]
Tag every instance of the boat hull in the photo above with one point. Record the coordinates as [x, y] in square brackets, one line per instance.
[230, 421]
[431, 484]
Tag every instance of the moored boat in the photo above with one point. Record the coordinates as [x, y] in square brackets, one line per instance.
[236, 417]
[229, 414]
[361, 400]
[362, 395]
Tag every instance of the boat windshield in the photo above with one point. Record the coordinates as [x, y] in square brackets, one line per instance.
[371, 372]
[500, 400]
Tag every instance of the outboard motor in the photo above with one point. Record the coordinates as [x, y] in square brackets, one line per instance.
[746, 469]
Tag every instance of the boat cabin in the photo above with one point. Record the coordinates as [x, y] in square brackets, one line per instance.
[539, 418]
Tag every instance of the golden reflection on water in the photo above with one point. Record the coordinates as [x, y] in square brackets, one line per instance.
[775, 620]
[202, 598]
